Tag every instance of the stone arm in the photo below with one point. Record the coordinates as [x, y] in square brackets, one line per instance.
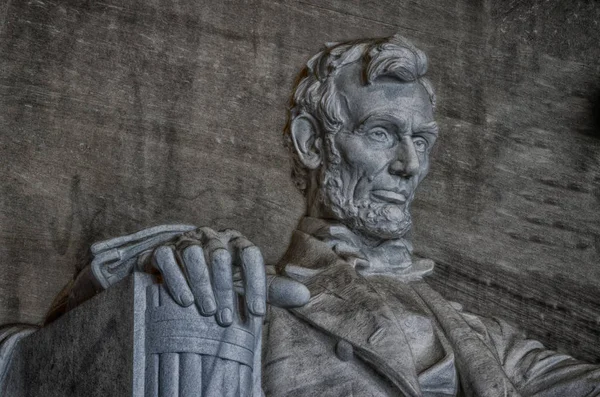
[197, 266]
[534, 370]
[112, 261]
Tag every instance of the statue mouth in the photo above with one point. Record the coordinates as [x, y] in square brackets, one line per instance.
[389, 196]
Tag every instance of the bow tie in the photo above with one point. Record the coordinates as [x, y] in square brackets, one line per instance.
[390, 257]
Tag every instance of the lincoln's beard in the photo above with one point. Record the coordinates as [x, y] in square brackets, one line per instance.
[374, 219]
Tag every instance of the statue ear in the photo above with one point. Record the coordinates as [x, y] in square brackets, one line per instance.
[307, 140]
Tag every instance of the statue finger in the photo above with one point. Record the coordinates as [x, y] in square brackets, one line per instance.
[286, 293]
[209, 237]
[164, 260]
[199, 279]
[222, 280]
[249, 257]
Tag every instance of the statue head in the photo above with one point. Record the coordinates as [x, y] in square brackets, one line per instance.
[360, 130]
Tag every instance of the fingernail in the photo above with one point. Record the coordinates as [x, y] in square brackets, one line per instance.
[226, 316]
[258, 307]
[209, 306]
[186, 298]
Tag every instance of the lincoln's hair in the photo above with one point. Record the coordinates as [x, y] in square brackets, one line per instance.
[315, 94]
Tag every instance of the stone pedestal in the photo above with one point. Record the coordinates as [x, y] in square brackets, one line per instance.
[97, 349]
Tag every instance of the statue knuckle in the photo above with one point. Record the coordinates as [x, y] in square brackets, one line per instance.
[193, 251]
[230, 233]
[206, 233]
[221, 258]
[162, 252]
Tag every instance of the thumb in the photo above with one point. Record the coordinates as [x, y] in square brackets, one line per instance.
[286, 293]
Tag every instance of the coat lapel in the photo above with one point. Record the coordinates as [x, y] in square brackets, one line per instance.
[481, 373]
[345, 306]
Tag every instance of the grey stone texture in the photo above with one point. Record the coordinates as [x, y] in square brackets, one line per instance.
[407, 340]
[375, 335]
[192, 355]
[98, 349]
[131, 340]
[360, 132]
[123, 114]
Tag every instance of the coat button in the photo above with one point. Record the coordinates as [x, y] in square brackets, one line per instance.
[344, 350]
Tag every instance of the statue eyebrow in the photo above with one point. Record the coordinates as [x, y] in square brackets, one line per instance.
[430, 128]
[378, 117]
[425, 128]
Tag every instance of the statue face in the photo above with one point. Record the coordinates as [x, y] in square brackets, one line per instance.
[376, 162]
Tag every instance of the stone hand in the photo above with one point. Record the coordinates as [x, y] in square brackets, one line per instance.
[214, 348]
[206, 267]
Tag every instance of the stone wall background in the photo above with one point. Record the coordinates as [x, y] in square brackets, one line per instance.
[117, 115]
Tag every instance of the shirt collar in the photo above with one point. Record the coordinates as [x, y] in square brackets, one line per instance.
[392, 257]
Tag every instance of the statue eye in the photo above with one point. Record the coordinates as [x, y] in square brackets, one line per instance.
[379, 135]
[420, 144]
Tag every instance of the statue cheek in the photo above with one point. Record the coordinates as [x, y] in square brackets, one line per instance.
[365, 162]
[362, 187]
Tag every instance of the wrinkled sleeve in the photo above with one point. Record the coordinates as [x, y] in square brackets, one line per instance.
[534, 370]
[112, 261]
[10, 335]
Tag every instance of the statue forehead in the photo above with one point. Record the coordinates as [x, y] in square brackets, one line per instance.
[408, 101]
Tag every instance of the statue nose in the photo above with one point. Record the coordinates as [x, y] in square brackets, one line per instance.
[407, 162]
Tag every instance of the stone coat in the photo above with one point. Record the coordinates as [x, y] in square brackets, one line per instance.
[366, 334]
[351, 340]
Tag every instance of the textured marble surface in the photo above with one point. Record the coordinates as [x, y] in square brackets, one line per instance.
[119, 115]
[96, 349]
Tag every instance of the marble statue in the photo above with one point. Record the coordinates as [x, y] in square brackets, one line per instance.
[347, 311]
